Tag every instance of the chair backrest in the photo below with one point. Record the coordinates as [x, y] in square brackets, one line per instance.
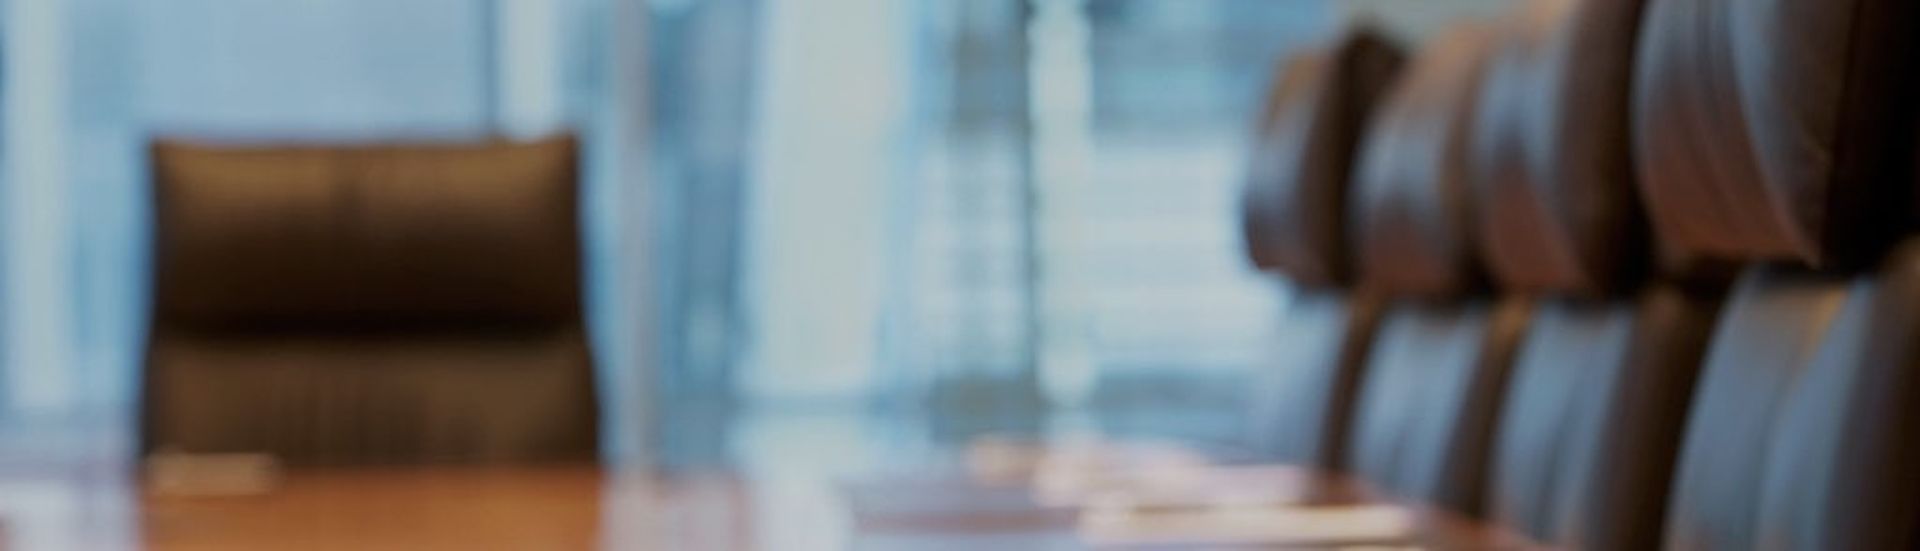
[1439, 360]
[1318, 107]
[1293, 213]
[369, 303]
[1778, 130]
[1304, 401]
[1772, 129]
[1600, 388]
[1551, 163]
[353, 237]
[1432, 397]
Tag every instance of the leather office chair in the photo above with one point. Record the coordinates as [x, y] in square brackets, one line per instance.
[1600, 388]
[1776, 130]
[1773, 133]
[1295, 200]
[1294, 210]
[1550, 150]
[369, 304]
[1769, 128]
[1439, 360]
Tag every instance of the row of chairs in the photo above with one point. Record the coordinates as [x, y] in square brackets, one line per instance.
[1611, 274]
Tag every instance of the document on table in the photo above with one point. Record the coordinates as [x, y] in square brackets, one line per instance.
[1273, 525]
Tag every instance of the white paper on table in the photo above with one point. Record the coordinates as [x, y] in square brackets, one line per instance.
[1067, 461]
[1180, 486]
[1347, 524]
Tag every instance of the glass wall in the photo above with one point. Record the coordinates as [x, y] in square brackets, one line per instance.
[1059, 180]
[989, 214]
[90, 82]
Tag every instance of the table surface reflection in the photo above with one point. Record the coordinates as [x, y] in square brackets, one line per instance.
[796, 487]
[70, 508]
[479, 508]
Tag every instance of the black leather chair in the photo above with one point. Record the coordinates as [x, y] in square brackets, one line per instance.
[1439, 361]
[369, 304]
[1295, 224]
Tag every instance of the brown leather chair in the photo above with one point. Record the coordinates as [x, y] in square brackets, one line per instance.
[1410, 216]
[1591, 424]
[1304, 402]
[1772, 325]
[1294, 204]
[1800, 435]
[1802, 432]
[369, 304]
[1600, 388]
[1837, 469]
[1439, 360]
[1772, 129]
[1778, 130]
[1550, 151]
[1294, 216]
[1431, 397]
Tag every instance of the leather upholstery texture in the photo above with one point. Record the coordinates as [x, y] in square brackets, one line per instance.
[1777, 129]
[1431, 398]
[1803, 437]
[1435, 374]
[369, 304]
[1294, 203]
[1606, 159]
[387, 399]
[1767, 337]
[1783, 130]
[1304, 407]
[1551, 158]
[1411, 214]
[1293, 216]
[1593, 417]
[359, 236]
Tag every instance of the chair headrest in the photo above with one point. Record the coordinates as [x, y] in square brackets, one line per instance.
[1411, 216]
[365, 236]
[1776, 129]
[1551, 155]
[1294, 205]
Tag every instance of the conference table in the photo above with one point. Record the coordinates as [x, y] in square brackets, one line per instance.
[551, 507]
[561, 507]
[92, 496]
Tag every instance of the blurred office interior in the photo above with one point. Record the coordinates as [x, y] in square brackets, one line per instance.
[825, 235]
[979, 215]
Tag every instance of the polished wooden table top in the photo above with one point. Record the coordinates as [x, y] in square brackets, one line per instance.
[56, 502]
[442, 508]
[471, 509]
[532, 508]
[1179, 507]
